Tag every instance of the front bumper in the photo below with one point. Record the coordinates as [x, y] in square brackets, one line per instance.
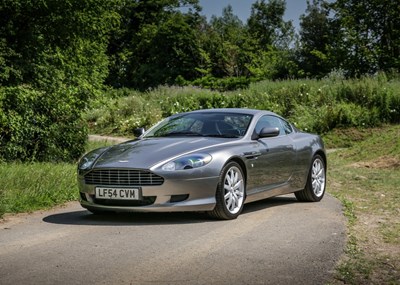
[174, 195]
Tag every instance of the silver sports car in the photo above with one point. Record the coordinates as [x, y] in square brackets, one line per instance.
[208, 160]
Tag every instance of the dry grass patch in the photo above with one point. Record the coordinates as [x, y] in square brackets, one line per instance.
[383, 162]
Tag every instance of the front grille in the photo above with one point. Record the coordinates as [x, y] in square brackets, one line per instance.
[123, 177]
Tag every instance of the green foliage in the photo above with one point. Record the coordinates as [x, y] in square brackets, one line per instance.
[274, 65]
[130, 110]
[219, 84]
[56, 55]
[266, 24]
[225, 40]
[368, 38]
[316, 40]
[48, 43]
[312, 105]
[156, 43]
[52, 62]
[35, 125]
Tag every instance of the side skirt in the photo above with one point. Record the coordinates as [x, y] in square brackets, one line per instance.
[280, 190]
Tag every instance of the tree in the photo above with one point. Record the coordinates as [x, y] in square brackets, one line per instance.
[271, 38]
[266, 24]
[224, 42]
[386, 27]
[52, 62]
[316, 39]
[156, 43]
[369, 35]
[55, 42]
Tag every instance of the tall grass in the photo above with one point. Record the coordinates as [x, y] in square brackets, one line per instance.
[27, 187]
[313, 105]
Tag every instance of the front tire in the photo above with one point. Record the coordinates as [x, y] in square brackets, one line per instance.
[230, 193]
[316, 182]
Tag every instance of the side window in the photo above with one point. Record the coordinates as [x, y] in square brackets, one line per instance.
[287, 127]
[270, 122]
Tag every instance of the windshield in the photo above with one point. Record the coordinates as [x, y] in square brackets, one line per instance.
[228, 125]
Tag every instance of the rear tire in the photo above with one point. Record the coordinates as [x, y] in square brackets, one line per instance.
[316, 182]
[231, 193]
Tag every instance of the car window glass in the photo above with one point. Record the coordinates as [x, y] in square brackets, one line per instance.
[206, 124]
[269, 122]
[176, 125]
[287, 127]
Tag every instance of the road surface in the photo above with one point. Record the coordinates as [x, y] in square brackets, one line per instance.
[274, 241]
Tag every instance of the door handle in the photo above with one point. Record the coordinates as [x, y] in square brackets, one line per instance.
[252, 154]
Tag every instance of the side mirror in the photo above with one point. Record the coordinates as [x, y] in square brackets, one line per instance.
[268, 132]
[138, 132]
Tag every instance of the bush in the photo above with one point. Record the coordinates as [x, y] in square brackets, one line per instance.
[314, 105]
[220, 84]
[35, 125]
[121, 115]
[327, 117]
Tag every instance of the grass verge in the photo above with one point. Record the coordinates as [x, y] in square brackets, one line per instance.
[365, 177]
[26, 187]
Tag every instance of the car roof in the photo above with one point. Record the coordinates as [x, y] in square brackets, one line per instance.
[234, 110]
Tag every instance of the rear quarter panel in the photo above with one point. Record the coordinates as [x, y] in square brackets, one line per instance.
[306, 146]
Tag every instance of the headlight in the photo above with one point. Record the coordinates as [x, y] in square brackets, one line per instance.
[188, 162]
[88, 159]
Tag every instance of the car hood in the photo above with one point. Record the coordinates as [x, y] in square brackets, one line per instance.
[145, 153]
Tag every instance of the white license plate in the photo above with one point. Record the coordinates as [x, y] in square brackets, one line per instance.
[117, 193]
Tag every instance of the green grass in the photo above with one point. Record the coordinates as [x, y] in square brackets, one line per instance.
[26, 187]
[33, 186]
[366, 178]
[312, 105]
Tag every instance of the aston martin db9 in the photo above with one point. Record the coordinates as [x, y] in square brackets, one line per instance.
[211, 161]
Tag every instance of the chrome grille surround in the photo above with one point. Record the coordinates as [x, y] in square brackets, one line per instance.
[123, 177]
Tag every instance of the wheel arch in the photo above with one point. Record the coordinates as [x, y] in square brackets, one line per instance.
[242, 165]
[322, 154]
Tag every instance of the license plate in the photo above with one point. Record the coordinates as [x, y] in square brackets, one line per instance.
[117, 193]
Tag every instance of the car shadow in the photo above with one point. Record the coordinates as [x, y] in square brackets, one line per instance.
[84, 217]
[268, 203]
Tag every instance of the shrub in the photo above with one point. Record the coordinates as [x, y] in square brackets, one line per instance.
[220, 84]
[35, 125]
[314, 105]
[124, 114]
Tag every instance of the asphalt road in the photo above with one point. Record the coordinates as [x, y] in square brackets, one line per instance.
[275, 241]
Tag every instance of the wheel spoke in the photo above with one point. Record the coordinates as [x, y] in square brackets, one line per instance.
[230, 200]
[238, 193]
[233, 190]
[318, 177]
[227, 179]
[235, 202]
[237, 185]
[235, 178]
